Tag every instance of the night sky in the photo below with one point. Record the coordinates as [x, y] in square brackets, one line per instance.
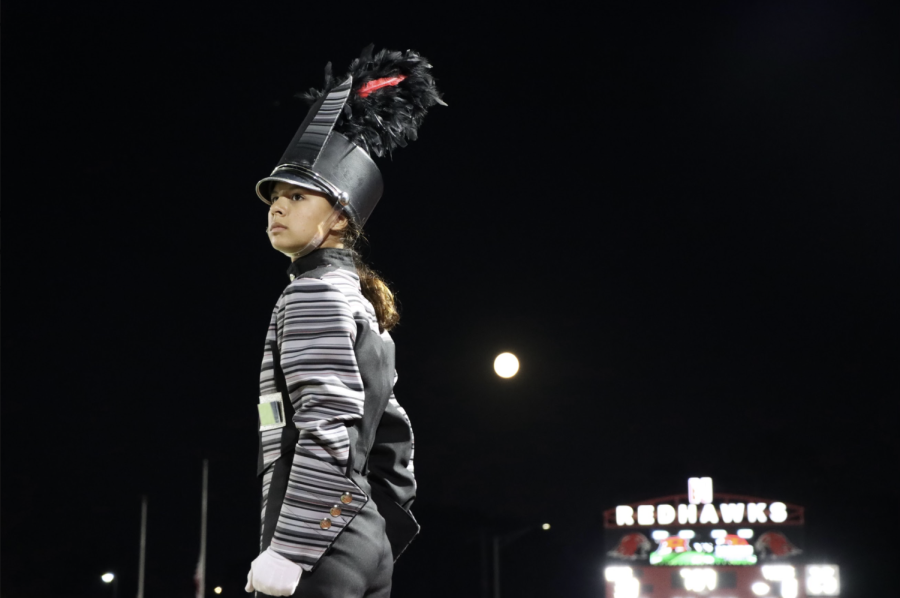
[683, 223]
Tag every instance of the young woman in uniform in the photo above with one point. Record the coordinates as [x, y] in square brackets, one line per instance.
[336, 448]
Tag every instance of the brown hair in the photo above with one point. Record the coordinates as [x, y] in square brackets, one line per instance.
[373, 287]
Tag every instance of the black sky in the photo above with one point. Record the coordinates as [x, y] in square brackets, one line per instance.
[684, 223]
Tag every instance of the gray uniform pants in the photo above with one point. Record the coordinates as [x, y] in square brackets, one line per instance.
[360, 563]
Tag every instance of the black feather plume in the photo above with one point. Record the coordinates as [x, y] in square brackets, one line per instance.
[390, 115]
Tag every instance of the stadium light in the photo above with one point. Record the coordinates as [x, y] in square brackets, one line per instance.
[108, 577]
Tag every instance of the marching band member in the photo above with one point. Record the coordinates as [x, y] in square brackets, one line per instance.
[336, 448]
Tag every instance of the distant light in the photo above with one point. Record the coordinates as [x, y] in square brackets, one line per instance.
[624, 515]
[732, 512]
[546, 526]
[708, 514]
[756, 512]
[659, 535]
[686, 534]
[700, 491]
[107, 577]
[218, 590]
[777, 572]
[627, 588]
[618, 573]
[789, 588]
[745, 533]
[778, 512]
[506, 365]
[687, 514]
[760, 588]
[665, 514]
[699, 580]
[718, 533]
[823, 580]
[645, 515]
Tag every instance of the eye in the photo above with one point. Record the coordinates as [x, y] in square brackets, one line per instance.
[297, 196]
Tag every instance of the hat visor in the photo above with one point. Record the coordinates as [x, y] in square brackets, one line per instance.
[264, 187]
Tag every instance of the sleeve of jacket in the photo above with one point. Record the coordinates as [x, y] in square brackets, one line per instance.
[316, 335]
[392, 475]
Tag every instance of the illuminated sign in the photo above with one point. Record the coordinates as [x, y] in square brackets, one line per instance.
[703, 529]
[720, 548]
[704, 547]
[700, 491]
[713, 545]
[697, 507]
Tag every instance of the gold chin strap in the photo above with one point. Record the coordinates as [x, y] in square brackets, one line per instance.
[323, 229]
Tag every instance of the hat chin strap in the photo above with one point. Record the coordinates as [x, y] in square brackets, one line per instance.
[321, 231]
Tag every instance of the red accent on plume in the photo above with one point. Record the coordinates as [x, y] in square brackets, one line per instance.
[377, 84]
[381, 122]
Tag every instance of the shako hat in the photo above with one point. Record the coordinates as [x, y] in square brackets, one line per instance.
[378, 106]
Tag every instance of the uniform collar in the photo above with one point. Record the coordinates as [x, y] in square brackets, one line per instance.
[327, 256]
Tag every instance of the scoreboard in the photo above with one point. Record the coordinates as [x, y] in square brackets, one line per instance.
[717, 546]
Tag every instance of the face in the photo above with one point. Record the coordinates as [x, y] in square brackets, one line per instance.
[297, 215]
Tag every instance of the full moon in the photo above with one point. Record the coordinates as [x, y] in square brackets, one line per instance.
[506, 365]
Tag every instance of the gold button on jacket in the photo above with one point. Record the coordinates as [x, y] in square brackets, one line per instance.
[346, 498]
[325, 523]
[335, 511]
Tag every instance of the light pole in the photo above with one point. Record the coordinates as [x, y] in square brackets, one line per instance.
[110, 578]
[143, 554]
[498, 541]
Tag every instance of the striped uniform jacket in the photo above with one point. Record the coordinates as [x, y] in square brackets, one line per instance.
[346, 440]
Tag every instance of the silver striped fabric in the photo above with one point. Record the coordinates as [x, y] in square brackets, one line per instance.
[314, 324]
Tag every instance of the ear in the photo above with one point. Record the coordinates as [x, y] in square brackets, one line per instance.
[341, 223]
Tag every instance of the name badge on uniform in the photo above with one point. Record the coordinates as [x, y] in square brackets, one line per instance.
[271, 412]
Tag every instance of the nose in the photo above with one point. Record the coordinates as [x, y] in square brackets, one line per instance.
[278, 206]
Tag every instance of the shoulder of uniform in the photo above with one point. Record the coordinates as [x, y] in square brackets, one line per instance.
[319, 290]
[310, 283]
[343, 278]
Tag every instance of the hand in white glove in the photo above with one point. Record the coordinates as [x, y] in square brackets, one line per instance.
[272, 574]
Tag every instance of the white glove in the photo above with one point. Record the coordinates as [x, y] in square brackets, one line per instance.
[272, 574]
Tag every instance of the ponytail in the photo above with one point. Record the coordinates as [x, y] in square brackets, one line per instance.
[376, 290]
[373, 287]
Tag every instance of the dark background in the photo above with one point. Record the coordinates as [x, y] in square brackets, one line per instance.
[682, 220]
